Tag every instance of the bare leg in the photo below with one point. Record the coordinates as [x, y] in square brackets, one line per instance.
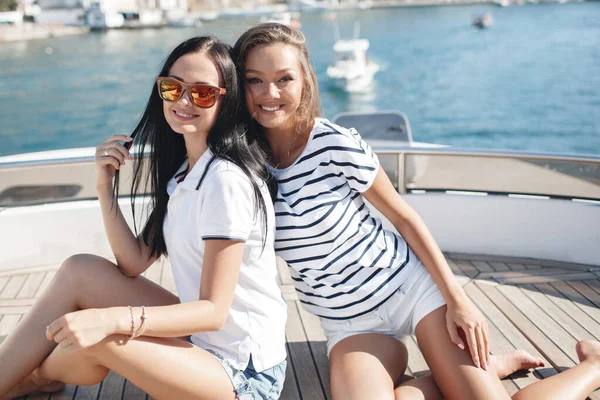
[369, 366]
[422, 388]
[366, 366]
[452, 368]
[82, 282]
[506, 364]
[166, 368]
[457, 378]
[573, 384]
[425, 388]
[32, 384]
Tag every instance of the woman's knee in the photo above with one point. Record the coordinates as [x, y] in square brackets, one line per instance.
[79, 367]
[80, 269]
[367, 366]
[387, 352]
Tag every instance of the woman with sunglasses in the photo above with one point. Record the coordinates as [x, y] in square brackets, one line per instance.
[369, 285]
[223, 337]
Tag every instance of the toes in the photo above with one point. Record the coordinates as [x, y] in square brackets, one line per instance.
[52, 387]
[541, 363]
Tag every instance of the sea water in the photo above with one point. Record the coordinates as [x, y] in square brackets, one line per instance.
[529, 82]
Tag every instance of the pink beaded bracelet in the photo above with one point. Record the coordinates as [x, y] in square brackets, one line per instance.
[133, 324]
[135, 331]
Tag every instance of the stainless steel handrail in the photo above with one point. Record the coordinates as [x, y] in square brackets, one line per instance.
[379, 149]
[485, 153]
[497, 172]
[410, 168]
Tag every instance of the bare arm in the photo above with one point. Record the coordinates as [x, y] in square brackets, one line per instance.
[461, 311]
[220, 270]
[409, 224]
[131, 253]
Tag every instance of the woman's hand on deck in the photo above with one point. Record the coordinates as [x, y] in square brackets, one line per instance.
[465, 315]
[110, 156]
[79, 329]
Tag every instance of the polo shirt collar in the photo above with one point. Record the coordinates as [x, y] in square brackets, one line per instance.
[193, 177]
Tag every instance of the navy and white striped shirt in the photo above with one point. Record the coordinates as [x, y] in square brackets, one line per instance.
[343, 262]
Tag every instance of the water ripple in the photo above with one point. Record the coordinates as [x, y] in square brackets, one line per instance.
[531, 82]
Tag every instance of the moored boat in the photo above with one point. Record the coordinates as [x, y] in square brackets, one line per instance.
[353, 71]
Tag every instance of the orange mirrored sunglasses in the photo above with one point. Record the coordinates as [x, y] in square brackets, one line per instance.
[205, 96]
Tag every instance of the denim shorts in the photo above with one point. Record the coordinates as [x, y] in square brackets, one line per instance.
[398, 316]
[251, 385]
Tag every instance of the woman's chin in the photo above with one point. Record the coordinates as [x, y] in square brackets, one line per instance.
[270, 123]
[185, 129]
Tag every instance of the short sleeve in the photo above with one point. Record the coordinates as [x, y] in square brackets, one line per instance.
[226, 206]
[356, 160]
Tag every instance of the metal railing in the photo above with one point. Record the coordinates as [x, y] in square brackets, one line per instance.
[493, 172]
[411, 169]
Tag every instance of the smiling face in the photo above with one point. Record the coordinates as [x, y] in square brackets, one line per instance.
[273, 85]
[183, 116]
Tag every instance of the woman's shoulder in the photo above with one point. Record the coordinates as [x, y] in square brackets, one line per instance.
[224, 169]
[327, 131]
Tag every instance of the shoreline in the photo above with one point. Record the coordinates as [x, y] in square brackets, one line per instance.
[32, 31]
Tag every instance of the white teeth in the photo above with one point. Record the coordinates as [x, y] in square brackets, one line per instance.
[179, 113]
[274, 108]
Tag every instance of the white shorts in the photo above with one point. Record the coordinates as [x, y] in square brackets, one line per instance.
[398, 316]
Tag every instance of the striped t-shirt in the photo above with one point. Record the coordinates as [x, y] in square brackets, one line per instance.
[343, 262]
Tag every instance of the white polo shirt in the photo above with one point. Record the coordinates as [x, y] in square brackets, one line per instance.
[223, 208]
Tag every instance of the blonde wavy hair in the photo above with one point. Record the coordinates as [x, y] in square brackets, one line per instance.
[269, 33]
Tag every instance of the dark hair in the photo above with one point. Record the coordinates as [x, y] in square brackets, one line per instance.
[229, 139]
[269, 33]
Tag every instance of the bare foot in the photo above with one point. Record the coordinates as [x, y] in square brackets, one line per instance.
[32, 385]
[588, 350]
[508, 363]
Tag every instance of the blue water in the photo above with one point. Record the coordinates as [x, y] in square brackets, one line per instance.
[531, 82]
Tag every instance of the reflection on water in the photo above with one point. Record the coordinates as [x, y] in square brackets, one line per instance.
[531, 82]
[363, 101]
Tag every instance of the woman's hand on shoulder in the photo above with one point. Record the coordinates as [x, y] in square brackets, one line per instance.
[462, 313]
[80, 329]
[110, 156]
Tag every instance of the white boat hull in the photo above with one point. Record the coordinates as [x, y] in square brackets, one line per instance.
[102, 20]
[359, 84]
[466, 210]
[350, 80]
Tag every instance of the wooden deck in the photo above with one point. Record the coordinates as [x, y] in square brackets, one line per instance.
[543, 307]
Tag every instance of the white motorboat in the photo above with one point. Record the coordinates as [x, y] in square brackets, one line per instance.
[308, 5]
[180, 18]
[99, 17]
[284, 18]
[353, 71]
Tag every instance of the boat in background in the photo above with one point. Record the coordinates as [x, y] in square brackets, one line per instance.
[100, 17]
[483, 21]
[352, 71]
[285, 18]
[308, 5]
